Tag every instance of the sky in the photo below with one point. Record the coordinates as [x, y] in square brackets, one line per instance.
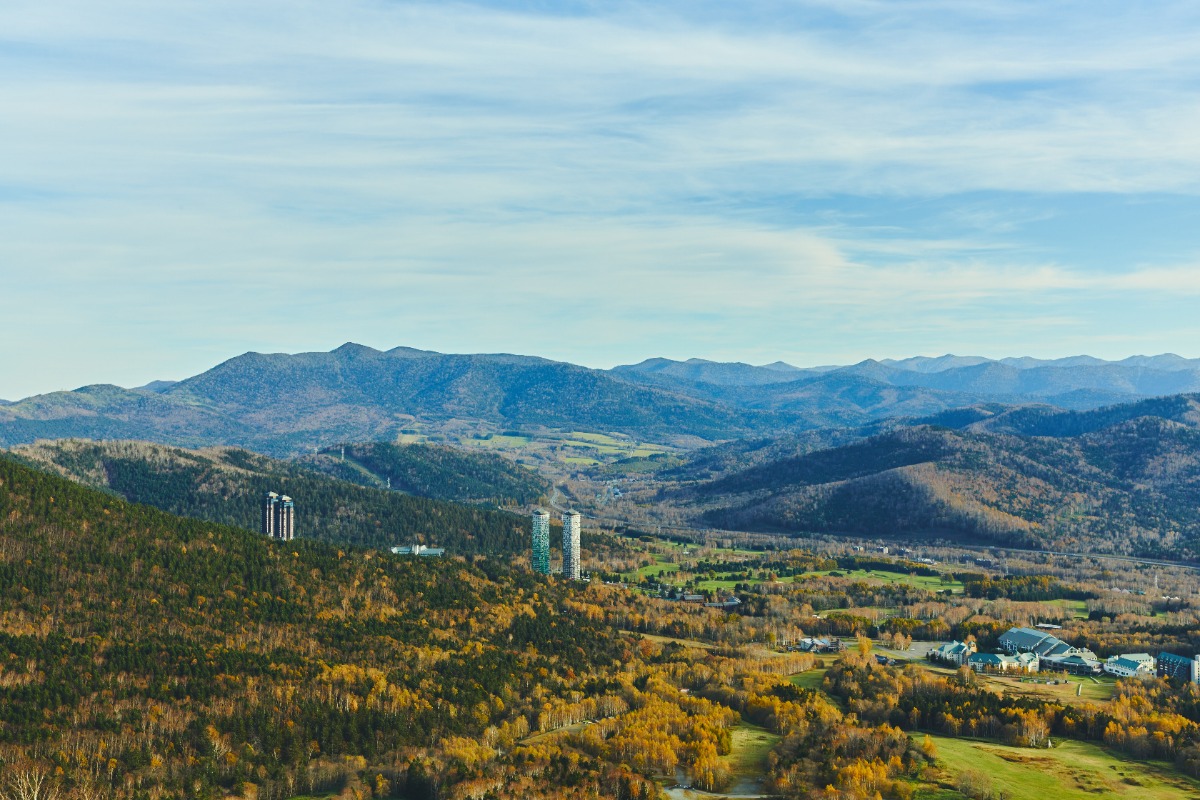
[818, 182]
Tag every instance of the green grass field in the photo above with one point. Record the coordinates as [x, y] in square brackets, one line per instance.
[1071, 771]
[658, 568]
[933, 584]
[747, 759]
[812, 678]
[577, 448]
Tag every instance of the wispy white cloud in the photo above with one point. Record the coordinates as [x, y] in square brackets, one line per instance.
[288, 175]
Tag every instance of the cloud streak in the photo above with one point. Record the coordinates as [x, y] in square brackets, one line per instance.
[187, 180]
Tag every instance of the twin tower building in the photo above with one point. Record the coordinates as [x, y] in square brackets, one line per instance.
[278, 517]
[570, 544]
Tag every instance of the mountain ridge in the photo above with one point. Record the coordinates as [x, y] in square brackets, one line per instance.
[284, 404]
[1130, 487]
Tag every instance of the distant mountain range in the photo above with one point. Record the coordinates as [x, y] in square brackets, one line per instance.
[916, 386]
[1124, 479]
[288, 404]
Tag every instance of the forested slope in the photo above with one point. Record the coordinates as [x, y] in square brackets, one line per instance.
[142, 653]
[226, 485]
[431, 471]
[1130, 488]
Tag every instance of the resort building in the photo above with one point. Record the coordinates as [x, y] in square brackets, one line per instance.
[1053, 653]
[418, 550]
[278, 517]
[1000, 662]
[1178, 668]
[1131, 665]
[953, 653]
[570, 546]
[541, 542]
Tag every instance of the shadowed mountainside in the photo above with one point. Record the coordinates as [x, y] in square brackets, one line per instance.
[1132, 487]
[431, 471]
[225, 485]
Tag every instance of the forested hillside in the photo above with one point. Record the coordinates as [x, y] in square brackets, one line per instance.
[226, 485]
[431, 471]
[1131, 488]
[147, 653]
[144, 655]
[1048, 421]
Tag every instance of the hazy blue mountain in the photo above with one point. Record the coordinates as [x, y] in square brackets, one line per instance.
[1025, 362]
[698, 370]
[838, 398]
[783, 366]
[998, 380]
[281, 403]
[937, 364]
[157, 386]
[856, 393]
[1166, 361]
[110, 412]
[1056, 422]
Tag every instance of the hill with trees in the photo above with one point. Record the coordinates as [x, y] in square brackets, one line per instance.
[431, 471]
[143, 654]
[1131, 488]
[226, 485]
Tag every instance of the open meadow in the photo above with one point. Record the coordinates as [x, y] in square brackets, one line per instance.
[1069, 771]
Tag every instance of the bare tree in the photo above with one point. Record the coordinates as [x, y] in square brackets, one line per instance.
[29, 784]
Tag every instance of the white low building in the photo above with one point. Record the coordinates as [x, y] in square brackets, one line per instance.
[1130, 665]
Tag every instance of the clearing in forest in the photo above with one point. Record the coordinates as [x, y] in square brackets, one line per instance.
[1071, 771]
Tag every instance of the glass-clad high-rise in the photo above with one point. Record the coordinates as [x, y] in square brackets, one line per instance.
[570, 546]
[541, 542]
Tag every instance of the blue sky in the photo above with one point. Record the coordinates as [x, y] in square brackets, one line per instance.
[818, 182]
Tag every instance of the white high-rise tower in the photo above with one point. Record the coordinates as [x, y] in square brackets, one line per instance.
[570, 546]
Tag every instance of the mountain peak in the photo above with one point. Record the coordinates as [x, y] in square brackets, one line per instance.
[354, 349]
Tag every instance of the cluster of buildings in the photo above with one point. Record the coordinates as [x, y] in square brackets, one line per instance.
[830, 644]
[570, 544]
[278, 517]
[1033, 650]
[1025, 650]
[418, 550]
[965, 654]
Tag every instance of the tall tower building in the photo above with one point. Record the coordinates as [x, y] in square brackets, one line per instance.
[541, 542]
[278, 517]
[270, 507]
[285, 519]
[570, 546]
